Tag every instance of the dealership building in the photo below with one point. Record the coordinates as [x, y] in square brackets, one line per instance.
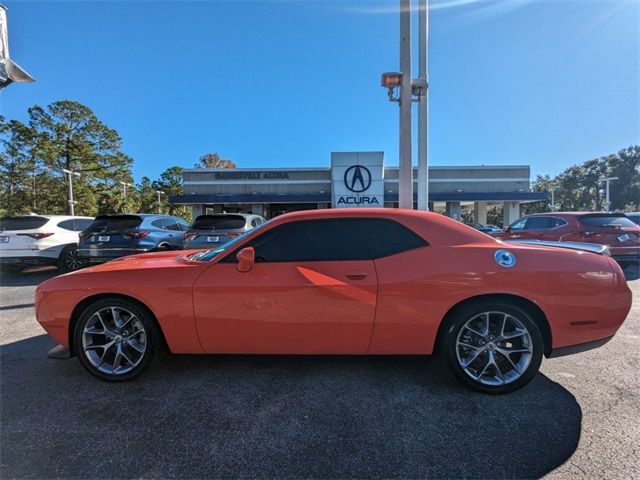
[354, 179]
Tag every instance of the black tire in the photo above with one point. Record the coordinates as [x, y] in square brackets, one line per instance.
[68, 260]
[162, 248]
[150, 338]
[519, 367]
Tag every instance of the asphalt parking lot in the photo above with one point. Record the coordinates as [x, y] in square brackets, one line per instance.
[311, 417]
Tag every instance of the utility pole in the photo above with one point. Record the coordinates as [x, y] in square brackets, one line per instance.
[405, 173]
[607, 203]
[159, 192]
[423, 106]
[70, 174]
[553, 198]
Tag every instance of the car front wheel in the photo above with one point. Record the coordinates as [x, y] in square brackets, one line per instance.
[116, 339]
[494, 347]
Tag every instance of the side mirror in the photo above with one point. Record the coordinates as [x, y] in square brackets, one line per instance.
[246, 258]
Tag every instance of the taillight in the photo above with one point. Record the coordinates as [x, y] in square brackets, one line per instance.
[84, 235]
[140, 234]
[36, 236]
[190, 236]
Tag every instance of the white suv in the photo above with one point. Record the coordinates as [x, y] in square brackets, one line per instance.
[40, 240]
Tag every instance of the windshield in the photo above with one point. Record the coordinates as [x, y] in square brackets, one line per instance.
[210, 254]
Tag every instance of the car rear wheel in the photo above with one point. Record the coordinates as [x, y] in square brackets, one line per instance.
[68, 261]
[494, 347]
[116, 339]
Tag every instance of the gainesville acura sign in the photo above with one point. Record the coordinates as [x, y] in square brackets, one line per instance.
[357, 179]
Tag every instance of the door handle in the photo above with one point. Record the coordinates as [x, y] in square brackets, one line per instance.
[356, 275]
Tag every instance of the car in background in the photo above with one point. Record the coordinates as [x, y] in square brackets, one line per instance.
[634, 217]
[488, 229]
[615, 230]
[29, 240]
[113, 236]
[210, 230]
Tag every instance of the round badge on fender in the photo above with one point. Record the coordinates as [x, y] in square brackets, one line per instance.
[504, 258]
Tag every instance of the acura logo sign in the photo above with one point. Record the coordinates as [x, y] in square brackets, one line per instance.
[357, 178]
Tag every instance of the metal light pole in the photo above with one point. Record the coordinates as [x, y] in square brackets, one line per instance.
[124, 191]
[405, 174]
[423, 106]
[553, 198]
[607, 203]
[70, 174]
[159, 192]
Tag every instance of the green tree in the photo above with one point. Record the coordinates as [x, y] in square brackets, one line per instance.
[213, 160]
[68, 135]
[17, 168]
[148, 198]
[170, 182]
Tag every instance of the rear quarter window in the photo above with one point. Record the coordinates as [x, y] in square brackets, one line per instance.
[388, 237]
[22, 223]
[606, 221]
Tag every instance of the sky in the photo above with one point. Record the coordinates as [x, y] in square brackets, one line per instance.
[548, 83]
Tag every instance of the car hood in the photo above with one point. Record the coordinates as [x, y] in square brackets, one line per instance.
[143, 261]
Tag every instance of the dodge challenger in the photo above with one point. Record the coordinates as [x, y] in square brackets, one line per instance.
[343, 281]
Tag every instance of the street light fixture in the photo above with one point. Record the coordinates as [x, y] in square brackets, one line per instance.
[70, 174]
[159, 192]
[124, 191]
[553, 197]
[607, 203]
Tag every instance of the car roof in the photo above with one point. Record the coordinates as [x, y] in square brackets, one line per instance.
[50, 217]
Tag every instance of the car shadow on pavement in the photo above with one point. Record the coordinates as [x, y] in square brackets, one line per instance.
[28, 277]
[274, 417]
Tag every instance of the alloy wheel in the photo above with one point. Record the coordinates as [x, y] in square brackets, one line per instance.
[71, 260]
[494, 348]
[114, 340]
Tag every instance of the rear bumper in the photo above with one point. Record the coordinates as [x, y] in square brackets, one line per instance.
[626, 257]
[95, 255]
[23, 261]
[582, 347]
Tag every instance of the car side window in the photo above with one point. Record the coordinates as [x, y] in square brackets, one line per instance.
[159, 223]
[538, 223]
[183, 226]
[312, 240]
[518, 224]
[171, 224]
[255, 222]
[67, 225]
[388, 237]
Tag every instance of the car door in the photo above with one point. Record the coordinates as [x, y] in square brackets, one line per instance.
[312, 290]
[535, 228]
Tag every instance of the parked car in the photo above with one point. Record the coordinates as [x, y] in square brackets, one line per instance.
[28, 240]
[210, 230]
[634, 217]
[113, 236]
[484, 228]
[343, 281]
[612, 229]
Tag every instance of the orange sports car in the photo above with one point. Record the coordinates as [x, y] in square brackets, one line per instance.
[348, 281]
